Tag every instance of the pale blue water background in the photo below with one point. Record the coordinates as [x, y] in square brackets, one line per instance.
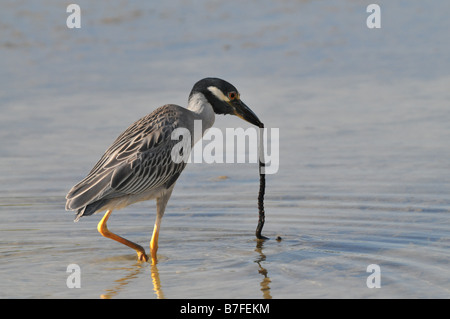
[364, 122]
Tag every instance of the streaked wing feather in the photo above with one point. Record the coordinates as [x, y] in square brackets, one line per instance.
[138, 160]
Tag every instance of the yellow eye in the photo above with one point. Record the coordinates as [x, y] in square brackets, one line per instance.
[233, 95]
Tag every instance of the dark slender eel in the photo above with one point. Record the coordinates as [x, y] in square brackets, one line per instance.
[262, 186]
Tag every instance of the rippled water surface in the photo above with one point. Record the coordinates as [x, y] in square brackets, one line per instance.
[364, 173]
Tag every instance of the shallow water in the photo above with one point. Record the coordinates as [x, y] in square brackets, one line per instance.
[364, 152]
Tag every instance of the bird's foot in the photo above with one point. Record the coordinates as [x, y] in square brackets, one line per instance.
[142, 256]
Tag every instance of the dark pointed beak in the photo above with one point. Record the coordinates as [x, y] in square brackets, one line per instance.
[244, 112]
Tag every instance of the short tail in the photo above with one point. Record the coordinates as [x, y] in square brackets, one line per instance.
[89, 209]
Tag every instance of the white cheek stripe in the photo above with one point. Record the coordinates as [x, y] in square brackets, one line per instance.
[218, 93]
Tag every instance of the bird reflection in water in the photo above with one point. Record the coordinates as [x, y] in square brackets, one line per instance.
[263, 271]
[133, 273]
[157, 282]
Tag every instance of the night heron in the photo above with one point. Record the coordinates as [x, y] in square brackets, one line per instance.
[138, 166]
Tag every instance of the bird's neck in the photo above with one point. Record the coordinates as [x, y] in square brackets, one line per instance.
[202, 109]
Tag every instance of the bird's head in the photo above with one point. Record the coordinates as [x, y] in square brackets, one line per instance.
[225, 99]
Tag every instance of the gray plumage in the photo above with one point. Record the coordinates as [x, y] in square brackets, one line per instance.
[138, 165]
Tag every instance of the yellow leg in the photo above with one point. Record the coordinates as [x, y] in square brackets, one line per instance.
[154, 243]
[103, 229]
[161, 203]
